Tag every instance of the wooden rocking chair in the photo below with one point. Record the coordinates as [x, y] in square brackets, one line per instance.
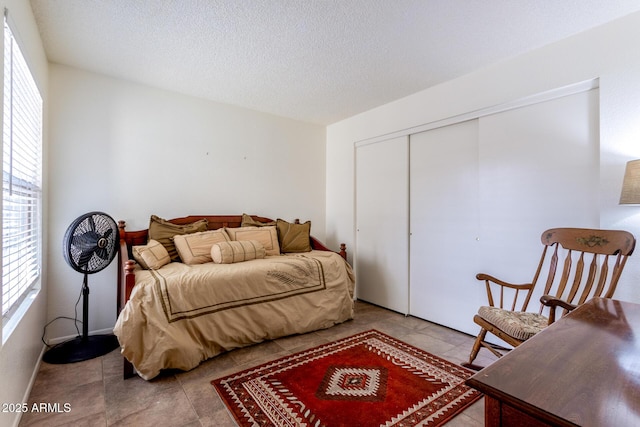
[581, 263]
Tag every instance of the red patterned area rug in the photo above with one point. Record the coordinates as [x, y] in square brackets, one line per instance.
[364, 380]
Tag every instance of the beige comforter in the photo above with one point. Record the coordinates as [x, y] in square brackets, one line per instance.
[180, 315]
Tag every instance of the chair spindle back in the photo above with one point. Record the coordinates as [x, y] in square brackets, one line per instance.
[583, 263]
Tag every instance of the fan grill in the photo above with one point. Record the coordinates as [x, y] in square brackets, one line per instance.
[91, 242]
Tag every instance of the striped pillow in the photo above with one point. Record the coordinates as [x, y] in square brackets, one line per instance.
[151, 256]
[237, 251]
[195, 248]
[267, 236]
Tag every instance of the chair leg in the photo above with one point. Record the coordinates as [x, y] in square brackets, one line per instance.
[477, 345]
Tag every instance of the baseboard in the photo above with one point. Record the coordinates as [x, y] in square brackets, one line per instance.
[32, 381]
[58, 340]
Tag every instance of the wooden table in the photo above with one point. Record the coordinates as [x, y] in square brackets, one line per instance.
[583, 370]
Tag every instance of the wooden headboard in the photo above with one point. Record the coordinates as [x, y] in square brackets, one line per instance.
[128, 239]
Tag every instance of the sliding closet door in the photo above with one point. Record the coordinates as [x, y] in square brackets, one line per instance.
[381, 260]
[539, 170]
[483, 191]
[444, 224]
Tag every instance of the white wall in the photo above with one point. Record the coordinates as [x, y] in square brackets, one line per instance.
[20, 351]
[131, 151]
[609, 52]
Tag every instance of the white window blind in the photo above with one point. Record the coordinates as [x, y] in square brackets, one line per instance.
[21, 178]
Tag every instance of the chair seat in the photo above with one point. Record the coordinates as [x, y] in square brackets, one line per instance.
[521, 325]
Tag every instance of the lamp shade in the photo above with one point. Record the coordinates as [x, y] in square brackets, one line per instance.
[631, 185]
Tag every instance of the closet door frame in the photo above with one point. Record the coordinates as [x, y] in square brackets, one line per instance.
[549, 95]
[571, 89]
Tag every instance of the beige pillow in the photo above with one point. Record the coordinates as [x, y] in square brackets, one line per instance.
[151, 256]
[247, 221]
[195, 248]
[163, 231]
[268, 236]
[237, 251]
[294, 237]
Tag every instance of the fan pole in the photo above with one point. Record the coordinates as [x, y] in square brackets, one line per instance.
[85, 308]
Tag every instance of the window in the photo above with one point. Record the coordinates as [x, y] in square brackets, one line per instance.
[21, 179]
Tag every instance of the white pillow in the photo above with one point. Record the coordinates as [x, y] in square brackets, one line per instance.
[237, 251]
[268, 236]
[152, 256]
[195, 248]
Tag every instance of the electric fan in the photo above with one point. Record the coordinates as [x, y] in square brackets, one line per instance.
[89, 246]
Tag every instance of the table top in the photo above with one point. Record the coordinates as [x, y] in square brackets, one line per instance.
[582, 370]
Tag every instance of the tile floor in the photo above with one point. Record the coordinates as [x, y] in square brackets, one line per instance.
[98, 396]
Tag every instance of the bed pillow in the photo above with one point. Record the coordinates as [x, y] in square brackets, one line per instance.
[268, 236]
[247, 221]
[151, 256]
[237, 251]
[294, 237]
[195, 248]
[163, 231]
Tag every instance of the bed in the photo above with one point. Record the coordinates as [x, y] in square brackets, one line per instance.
[176, 314]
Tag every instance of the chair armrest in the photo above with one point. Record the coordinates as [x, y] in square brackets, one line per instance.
[553, 303]
[489, 278]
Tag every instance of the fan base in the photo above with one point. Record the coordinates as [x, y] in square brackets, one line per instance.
[81, 348]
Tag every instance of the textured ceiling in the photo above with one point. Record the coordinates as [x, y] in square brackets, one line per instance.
[314, 60]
